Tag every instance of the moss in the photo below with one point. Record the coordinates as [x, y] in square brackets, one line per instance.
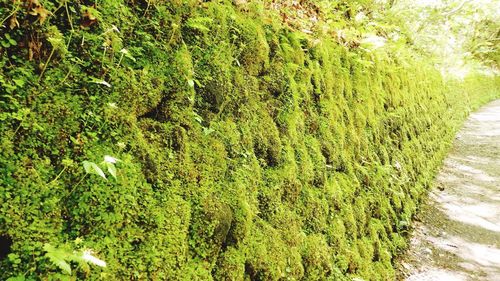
[252, 50]
[249, 151]
[317, 260]
[231, 265]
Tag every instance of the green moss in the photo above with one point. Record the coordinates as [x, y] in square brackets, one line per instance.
[249, 151]
[317, 259]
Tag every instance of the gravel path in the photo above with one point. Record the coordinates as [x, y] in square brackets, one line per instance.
[457, 233]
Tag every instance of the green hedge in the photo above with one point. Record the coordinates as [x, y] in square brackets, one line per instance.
[248, 151]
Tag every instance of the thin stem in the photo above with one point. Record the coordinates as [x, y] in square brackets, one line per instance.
[10, 15]
[46, 64]
[69, 40]
[52, 13]
[80, 181]
[120, 60]
[69, 16]
[18, 127]
[75, 186]
[103, 57]
[65, 77]
[147, 8]
[57, 177]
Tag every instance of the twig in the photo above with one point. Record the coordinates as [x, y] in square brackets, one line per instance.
[76, 185]
[57, 177]
[10, 15]
[69, 17]
[46, 63]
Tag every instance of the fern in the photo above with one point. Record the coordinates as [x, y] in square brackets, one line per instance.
[62, 256]
[199, 23]
[59, 257]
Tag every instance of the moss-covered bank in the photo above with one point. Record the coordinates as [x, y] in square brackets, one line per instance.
[249, 151]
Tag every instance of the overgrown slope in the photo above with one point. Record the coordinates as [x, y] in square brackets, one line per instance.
[249, 151]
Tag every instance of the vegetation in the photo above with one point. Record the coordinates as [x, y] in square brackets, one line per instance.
[456, 34]
[236, 145]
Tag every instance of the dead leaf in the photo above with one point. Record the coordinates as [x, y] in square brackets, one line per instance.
[33, 3]
[13, 23]
[88, 19]
[41, 12]
[34, 49]
[89, 16]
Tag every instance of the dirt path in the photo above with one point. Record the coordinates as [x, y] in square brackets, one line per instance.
[457, 233]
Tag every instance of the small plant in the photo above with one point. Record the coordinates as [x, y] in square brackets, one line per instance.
[200, 23]
[64, 255]
[56, 39]
[109, 162]
[8, 41]
[100, 81]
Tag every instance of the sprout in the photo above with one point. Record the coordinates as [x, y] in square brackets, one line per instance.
[110, 161]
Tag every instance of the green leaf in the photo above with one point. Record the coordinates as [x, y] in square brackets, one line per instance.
[17, 278]
[127, 54]
[14, 258]
[58, 257]
[63, 265]
[92, 168]
[87, 166]
[198, 118]
[111, 159]
[19, 82]
[200, 23]
[111, 169]
[207, 131]
[67, 162]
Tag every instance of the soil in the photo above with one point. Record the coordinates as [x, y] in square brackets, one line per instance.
[456, 235]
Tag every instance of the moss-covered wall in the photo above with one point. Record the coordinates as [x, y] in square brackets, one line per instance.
[249, 151]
